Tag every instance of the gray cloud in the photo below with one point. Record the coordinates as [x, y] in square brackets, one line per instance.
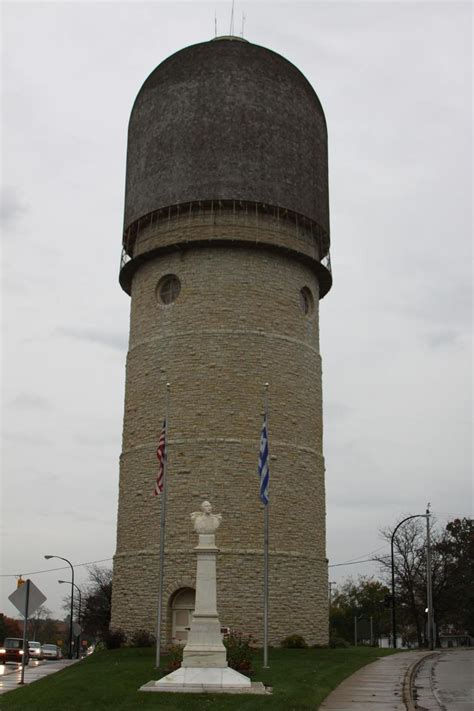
[26, 439]
[12, 207]
[443, 338]
[115, 340]
[31, 401]
[87, 518]
[337, 409]
[97, 440]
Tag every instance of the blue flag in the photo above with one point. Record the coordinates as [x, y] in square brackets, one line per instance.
[263, 464]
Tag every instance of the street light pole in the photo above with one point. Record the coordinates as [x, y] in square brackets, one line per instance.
[428, 572]
[48, 557]
[80, 607]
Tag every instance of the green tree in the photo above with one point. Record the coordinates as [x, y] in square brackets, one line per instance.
[364, 599]
[455, 606]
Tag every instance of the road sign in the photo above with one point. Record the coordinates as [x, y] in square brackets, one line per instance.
[77, 629]
[35, 599]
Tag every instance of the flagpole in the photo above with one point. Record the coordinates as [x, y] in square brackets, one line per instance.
[162, 532]
[265, 555]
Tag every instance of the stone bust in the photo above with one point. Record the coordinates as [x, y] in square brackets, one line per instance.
[204, 520]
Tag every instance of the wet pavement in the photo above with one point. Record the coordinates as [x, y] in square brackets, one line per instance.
[10, 674]
[377, 687]
[445, 682]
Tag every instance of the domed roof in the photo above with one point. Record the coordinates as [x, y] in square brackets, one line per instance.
[227, 120]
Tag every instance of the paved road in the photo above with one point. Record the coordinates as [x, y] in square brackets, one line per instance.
[376, 687]
[10, 674]
[445, 682]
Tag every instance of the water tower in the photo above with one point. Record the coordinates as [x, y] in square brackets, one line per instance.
[225, 257]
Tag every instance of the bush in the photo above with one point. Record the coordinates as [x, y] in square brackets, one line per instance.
[143, 638]
[294, 641]
[174, 658]
[338, 642]
[114, 639]
[239, 652]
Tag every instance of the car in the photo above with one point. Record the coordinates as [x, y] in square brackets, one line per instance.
[50, 651]
[34, 650]
[12, 651]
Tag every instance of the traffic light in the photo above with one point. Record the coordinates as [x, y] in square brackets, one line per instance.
[20, 582]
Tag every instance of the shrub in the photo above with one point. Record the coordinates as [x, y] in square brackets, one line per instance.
[174, 658]
[294, 641]
[338, 642]
[143, 638]
[239, 652]
[114, 639]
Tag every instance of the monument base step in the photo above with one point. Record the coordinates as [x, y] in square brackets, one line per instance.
[198, 680]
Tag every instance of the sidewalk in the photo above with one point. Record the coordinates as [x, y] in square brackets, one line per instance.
[10, 674]
[377, 687]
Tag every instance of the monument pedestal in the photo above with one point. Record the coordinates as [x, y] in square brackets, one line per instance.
[204, 647]
[204, 667]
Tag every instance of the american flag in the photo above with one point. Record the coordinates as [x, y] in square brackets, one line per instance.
[263, 464]
[160, 455]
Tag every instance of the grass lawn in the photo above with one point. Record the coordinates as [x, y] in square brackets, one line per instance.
[301, 679]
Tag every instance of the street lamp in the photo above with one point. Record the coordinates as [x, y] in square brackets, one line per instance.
[48, 557]
[428, 578]
[80, 607]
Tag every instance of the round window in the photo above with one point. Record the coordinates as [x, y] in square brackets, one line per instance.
[168, 289]
[306, 301]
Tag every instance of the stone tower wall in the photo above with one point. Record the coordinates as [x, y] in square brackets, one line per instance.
[236, 324]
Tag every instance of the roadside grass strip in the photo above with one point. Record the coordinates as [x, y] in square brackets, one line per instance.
[300, 679]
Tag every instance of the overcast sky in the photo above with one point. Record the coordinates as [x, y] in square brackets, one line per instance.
[395, 83]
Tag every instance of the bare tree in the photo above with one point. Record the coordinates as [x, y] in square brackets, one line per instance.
[37, 621]
[451, 551]
[410, 577]
[97, 602]
[96, 597]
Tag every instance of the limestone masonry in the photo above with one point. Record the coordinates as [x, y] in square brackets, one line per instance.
[226, 242]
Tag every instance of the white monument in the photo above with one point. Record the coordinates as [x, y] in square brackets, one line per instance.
[204, 666]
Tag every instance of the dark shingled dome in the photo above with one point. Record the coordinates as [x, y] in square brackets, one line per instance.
[227, 120]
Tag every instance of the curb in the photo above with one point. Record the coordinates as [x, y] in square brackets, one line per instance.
[408, 681]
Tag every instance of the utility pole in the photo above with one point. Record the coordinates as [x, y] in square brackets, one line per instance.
[429, 582]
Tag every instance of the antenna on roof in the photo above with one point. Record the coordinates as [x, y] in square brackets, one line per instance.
[231, 30]
[215, 23]
[243, 23]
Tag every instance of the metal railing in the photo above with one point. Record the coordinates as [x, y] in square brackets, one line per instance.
[240, 214]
